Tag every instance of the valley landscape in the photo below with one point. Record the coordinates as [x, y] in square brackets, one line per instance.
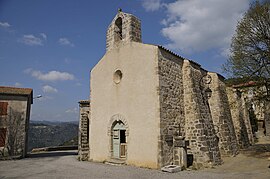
[47, 134]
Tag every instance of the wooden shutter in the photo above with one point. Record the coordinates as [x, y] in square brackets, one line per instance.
[3, 132]
[3, 108]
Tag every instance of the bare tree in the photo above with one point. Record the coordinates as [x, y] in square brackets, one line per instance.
[15, 132]
[13, 136]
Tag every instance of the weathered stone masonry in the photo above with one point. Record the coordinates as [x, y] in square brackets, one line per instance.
[172, 119]
[221, 115]
[83, 142]
[177, 84]
[126, 29]
[267, 118]
[199, 125]
[237, 111]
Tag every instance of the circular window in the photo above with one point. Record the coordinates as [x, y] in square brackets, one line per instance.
[117, 76]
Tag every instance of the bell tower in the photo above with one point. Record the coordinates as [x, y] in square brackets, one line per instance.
[123, 29]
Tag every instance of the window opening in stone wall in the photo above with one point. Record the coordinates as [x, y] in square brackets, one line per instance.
[122, 136]
[3, 132]
[117, 76]
[118, 29]
[3, 108]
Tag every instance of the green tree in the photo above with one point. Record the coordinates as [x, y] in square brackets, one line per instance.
[250, 47]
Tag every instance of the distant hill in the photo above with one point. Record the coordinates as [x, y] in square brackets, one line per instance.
[53, 122]
[46, 133]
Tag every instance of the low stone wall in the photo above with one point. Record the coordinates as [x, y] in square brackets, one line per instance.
[54, 148]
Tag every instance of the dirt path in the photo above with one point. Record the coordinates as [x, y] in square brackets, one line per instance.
[253, 162]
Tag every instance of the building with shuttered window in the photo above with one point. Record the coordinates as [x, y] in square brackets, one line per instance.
[15, 105]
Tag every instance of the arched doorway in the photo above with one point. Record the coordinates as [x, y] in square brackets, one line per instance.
[119, 141]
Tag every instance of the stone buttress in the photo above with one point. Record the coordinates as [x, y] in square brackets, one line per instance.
[199, 127]
[221, 115]
[239, 117]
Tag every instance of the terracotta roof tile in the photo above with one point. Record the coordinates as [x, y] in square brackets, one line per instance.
[247, 84]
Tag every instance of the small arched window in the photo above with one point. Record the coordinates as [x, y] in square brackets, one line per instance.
[118, 29]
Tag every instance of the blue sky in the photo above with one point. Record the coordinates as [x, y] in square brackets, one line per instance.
[51, 46]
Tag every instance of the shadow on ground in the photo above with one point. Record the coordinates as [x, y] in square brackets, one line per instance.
[257, 150]
[52, 154]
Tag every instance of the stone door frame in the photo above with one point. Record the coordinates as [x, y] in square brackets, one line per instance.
[114, 119]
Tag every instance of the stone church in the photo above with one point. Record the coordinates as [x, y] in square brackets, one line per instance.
[150, 107]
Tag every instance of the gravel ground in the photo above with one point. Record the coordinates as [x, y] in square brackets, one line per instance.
[65, 165]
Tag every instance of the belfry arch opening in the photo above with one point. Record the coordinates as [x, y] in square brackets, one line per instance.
[119, 140]
[118, 29]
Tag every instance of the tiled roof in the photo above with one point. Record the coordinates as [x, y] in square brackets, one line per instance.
[247, 84]
[15, 91]
[167, 50]
[191, 61]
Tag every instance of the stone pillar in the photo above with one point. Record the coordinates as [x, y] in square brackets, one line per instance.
[199, 125]
[221, 115]
[84, 126]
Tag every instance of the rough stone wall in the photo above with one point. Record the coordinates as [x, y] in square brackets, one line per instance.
[245, 107]
[249, 99]
[237, 111]
[267, 118]
[172, 118]
[259, 110]
[246, 102]
[83, 142]
[221, 115]
[199, 125]
[131, 30]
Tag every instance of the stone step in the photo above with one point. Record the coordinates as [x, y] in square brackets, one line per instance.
[115, 162]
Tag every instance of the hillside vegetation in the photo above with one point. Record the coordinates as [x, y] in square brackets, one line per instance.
[46, 134]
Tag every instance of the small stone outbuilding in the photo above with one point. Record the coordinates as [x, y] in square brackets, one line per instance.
[150, 106]
[15, 105]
